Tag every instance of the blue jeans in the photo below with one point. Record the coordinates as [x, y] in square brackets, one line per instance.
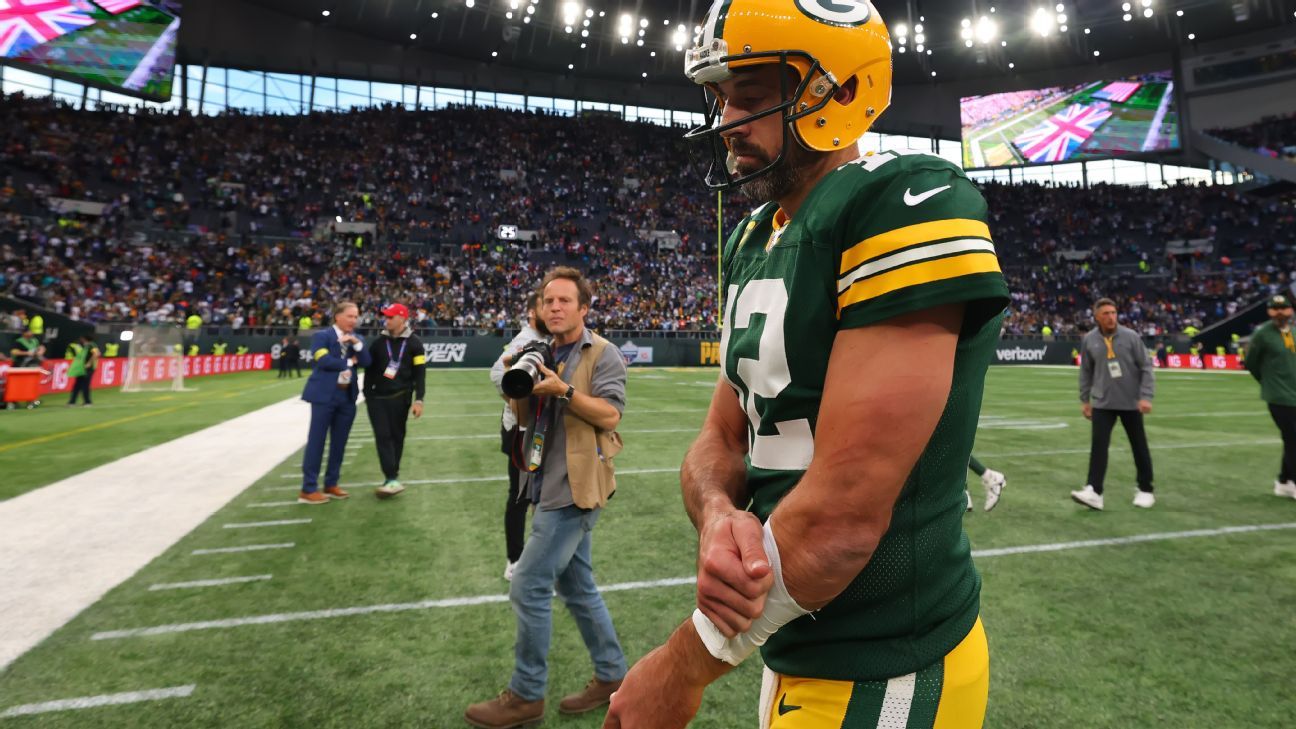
[333, 420]
[557, 556]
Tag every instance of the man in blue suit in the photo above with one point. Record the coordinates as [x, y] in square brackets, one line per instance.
[331, 390]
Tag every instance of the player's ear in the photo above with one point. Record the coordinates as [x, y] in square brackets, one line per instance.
[846, 94]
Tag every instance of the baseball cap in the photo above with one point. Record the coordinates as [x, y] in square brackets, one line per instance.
[396, 310]
[1279, 302]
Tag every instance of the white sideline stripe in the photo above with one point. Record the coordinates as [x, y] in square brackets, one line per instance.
[625, 586]
[248, 548]
[1171, 447]
[1136, 539]
[495, 436]
[61, 555]
[254, 524]
[90, 702]
[481, 479]
[271, 504]
[897, 702]
[208, 583]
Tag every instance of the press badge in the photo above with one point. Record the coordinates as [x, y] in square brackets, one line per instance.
[537, 449]
[392, 368]
[1113, 368]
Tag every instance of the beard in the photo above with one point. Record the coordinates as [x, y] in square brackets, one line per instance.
[789, 174]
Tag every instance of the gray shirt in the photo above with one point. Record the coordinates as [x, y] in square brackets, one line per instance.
[1115, 384]
[607, 382]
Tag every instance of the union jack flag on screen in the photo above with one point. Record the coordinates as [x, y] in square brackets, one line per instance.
[1062, 134]
[27, 23]
[117, 7]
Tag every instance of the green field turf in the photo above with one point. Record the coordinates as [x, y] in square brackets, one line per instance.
[1192, 632]
[41, 446]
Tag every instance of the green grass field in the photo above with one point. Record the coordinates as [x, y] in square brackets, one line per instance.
[1184, 632]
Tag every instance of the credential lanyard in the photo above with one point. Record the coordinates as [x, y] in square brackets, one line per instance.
[400, 357]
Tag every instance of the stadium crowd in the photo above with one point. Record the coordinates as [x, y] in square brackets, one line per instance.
[1272, 136]
[228, 217]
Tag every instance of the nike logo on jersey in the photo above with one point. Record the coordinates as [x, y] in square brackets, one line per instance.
[912, 199]
[784, 708]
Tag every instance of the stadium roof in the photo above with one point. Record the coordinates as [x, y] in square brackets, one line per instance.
[1025, 33]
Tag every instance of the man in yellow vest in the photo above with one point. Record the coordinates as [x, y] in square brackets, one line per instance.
[193, 323]
[111, 349]
[218, 348]
[241, 349]
[304, 324]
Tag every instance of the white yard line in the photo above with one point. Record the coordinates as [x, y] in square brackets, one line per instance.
[90, 702]
[1154, 130]
[627, 586]
[67, 544]
[247, 548]
[1171, 447]
[208, 583]
[256, 524]
[144, 69]
[271, 504]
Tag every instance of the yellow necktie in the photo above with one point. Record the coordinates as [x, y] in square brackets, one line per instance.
[1288, 341]
[1111, 353]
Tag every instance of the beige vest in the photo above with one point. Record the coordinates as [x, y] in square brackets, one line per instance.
[589, 450]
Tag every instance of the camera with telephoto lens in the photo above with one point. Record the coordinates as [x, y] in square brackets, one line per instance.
[521, 378]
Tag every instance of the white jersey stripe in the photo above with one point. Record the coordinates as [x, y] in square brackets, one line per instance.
[897, 701]
[913, 255]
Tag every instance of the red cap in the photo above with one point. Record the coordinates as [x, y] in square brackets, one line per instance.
[396, 310]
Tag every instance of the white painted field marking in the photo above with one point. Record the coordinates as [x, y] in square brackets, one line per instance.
[248, 548]
[495, 436]
[271, 504]
[1171, 447]
[627, 586]
[61, 555]
[90, 702]
[254, 524]
[481, 479]
[208, 583]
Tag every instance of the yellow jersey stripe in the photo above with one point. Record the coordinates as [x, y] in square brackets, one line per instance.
[910, 235]
[914, 255]
[419, 359]
[965, 684]
[920, 273]
[321, 352]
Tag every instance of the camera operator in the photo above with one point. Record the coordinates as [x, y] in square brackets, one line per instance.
[571, 414]
[515, 510]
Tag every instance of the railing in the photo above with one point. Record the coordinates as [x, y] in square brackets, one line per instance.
[427, 332]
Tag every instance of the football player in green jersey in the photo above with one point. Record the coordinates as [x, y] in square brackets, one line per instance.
[862, 302]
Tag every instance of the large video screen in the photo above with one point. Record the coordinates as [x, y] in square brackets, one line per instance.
[127, 46]
[1103, 119]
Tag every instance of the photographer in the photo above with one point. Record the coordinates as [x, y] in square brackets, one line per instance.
[396, 373]
[576, 403]
[515, 510]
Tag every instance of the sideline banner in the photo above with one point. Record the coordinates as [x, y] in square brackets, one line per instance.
[112, 371]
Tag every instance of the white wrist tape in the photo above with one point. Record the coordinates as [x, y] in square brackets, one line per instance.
[780, 609]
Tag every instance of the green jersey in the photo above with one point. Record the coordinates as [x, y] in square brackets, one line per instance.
[880, 237]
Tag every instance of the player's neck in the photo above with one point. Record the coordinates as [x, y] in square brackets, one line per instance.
[791, 202]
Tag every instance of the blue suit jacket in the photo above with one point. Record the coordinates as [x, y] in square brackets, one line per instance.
[330, 359]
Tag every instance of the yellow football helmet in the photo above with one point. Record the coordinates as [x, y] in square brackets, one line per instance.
[827, 42]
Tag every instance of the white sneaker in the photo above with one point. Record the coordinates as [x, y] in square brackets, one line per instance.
[508, 570]
[1144, 499]
[1285, 488]
[968, 494]
[994, 483]
[1088, 497]
[389, 489]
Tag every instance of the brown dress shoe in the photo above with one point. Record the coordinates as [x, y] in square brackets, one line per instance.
[506, 711]
[595, 694]
[312, 497]
[336, 492]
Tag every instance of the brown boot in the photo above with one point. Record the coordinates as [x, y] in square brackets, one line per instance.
[595, 694]
[506, 711]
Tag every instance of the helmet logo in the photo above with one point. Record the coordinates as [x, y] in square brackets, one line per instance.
[837, 12]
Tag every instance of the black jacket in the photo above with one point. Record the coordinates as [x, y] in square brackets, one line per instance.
[409, 377]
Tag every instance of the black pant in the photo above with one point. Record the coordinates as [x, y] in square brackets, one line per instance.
[283, 367]
[1103, 423]
[515, 511]
[388, 416]
[81, 385]
[1284, 416]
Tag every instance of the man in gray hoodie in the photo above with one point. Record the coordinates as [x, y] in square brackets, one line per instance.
[1116, 383]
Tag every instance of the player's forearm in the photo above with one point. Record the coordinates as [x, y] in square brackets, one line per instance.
[692, 659]
[713, 478]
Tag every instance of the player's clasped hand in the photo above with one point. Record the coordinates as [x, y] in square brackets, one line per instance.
[734, 574]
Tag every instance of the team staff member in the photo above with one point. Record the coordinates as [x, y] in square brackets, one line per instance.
[1271, 359]
[515, 510]
[85, 358]
[396, 373]
[862, 304]
[332, 390]
[1116, 383]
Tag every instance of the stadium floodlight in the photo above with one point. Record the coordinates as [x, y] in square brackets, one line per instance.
[1125, 7]
[435, 15]
[1060, 7]
[1062, 18]
[1179, 13]
[1086, 31]
[526, 19]
[968, 43]
[933, 74]
[920, 38]
[127, 335]
[570, 12]
[986, 30]
[919, 48]
[589, 12]
[494, 54]
[1126, 17]
[567, 29]
[530, 10]
[571, 66]
[585, 23]
[1003, 44]
[513, 4]
[679, 37]
[413, 36]
[1192, 36]
[1011, 65]
[326, 13]
[1146, 3]
[901, 30]
[1096, 54]
[337, 218]
[643, 22]
[966, 23]
[1062, 29]
[470, 3]
[1042, 22]
[584, 33]
[902, 49]
[1147, 12]
[508, 15]
[625, 26]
